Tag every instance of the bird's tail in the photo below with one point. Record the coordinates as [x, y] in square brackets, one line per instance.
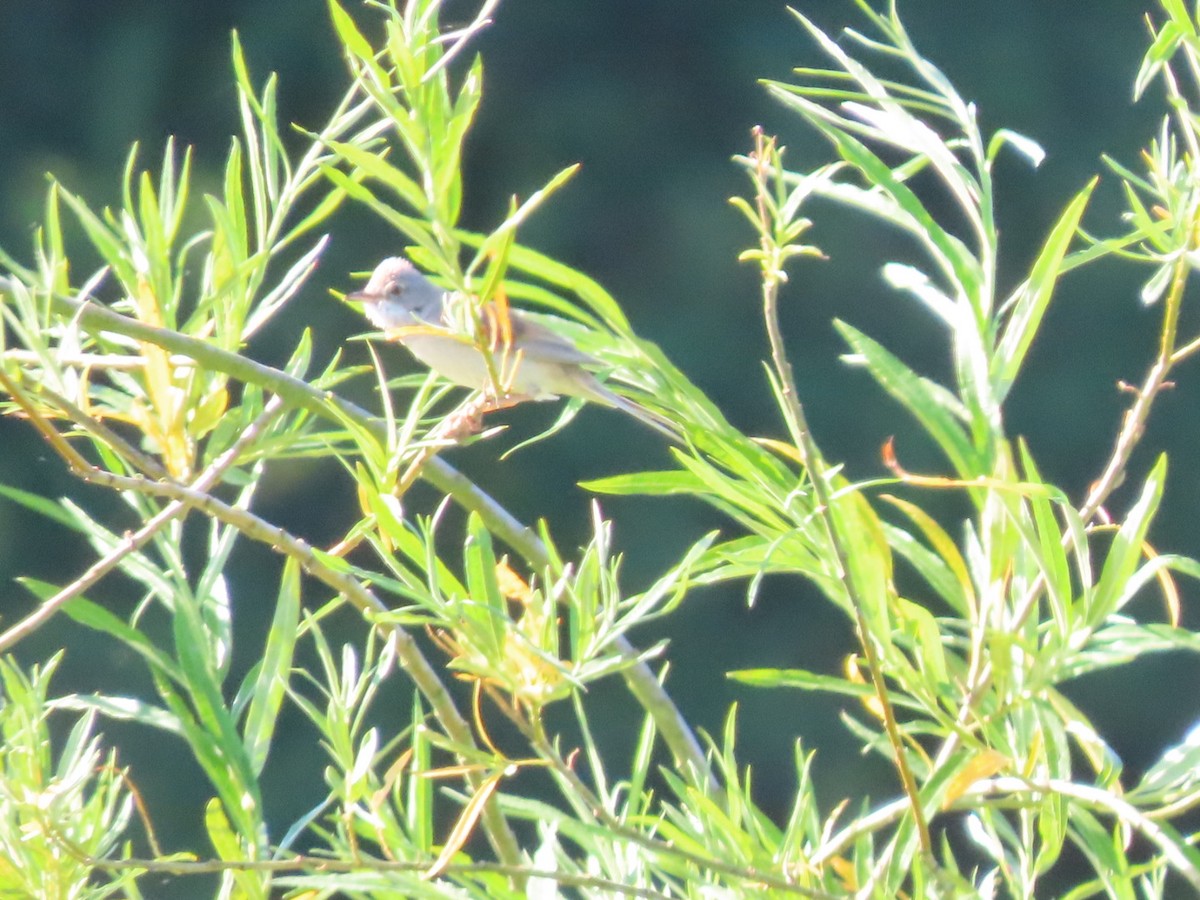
[659, 423]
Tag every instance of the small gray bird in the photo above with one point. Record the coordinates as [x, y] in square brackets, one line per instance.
[531, 361]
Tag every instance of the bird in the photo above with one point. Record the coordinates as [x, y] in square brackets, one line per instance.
[529, 360]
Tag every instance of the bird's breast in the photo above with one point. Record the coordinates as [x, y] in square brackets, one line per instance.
[460, 361]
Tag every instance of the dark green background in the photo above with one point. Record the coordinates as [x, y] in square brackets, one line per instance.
[653, 97]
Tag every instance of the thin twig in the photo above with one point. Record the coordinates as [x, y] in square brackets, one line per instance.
[772, 260]
[1134, 423]
[146, 464]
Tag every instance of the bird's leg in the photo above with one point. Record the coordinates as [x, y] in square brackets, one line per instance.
[466, 420]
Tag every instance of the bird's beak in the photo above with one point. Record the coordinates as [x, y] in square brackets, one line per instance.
[362, 297]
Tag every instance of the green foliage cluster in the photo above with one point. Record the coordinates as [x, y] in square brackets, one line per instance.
[137, 378]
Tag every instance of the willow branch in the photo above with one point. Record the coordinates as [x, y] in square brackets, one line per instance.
[363, 863]
[1134, 423]
[184, 497]
[137, 539]
[773, 255]
[639, 677]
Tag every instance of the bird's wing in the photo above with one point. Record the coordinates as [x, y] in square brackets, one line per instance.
[542, 343]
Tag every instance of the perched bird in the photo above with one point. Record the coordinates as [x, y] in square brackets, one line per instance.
[529, 361]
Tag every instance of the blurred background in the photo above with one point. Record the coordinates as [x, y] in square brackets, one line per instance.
[653, 97]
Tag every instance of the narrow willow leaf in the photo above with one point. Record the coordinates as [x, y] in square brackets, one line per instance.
[464, 827]
[1056, 567]
[962, 596]
[975, 766]
[594, 296]
[1166, 43]
[909, 213]
[351, 38]
[930, 654]
[867, 556]
[131, 709]
[1026, 146]
[274, 671]
[291, 282]
[229, 847]
[226, 762]
[235, 205]
[416, 230]
[502, 233]
[1034, 296]
[812, 681]
[647, 483]
[929, 565]
[43, 506]
[481, 564]
[1127, 550]
[1175, 775]
[938, 411]
[96, 617]
[110, 248]
[375, 165]
[487, 609]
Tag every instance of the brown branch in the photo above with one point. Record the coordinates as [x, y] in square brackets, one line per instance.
[137, 539]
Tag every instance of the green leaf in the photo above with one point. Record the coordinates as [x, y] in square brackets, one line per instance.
[348, 33]
[517, 217]
[43, 506]
[928, 640]
[943, 567]
[801, 679]
[755, 556]
[414, 229]
[648, 483]
[235, 205]
[274, 671]
[1027, 147]
[867, 556]
[929, 565]
[489, 609]
[1127, 549]
[908, 213]
[1166, 43]
[594, 296]
[53, 236]
[938, 411]
[223, 839]
[376, 166]
[96, 617]
[1175, 775]
[111, 250]
[251, 885]
[1055, 565]
[226, 762]
[131, 709]
[1033, 297]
